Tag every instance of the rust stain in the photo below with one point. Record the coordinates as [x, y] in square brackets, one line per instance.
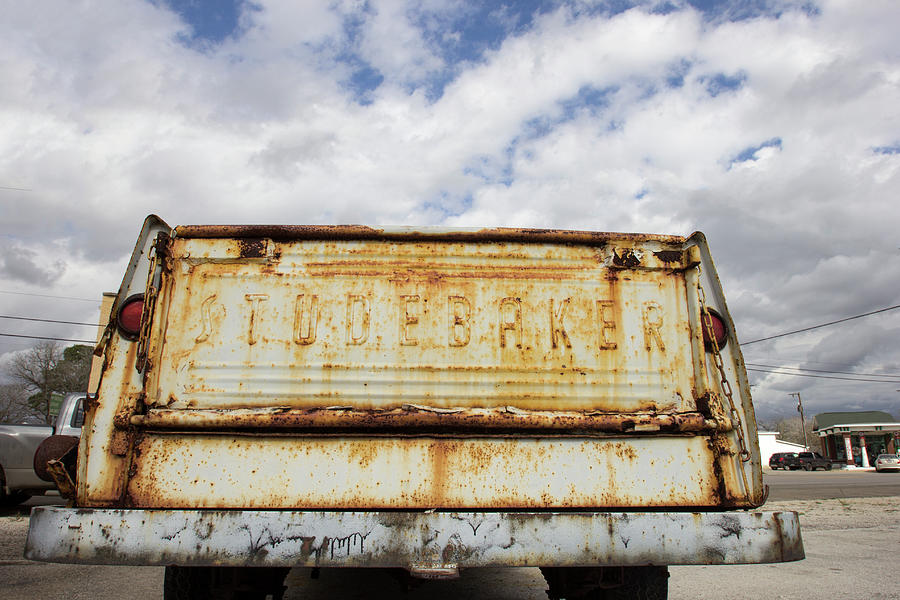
[627, 259]
[669, 256]
[721, 452]
[252, 247]
[703, 405]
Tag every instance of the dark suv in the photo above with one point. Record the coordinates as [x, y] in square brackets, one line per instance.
[808, 461]
[776, 461]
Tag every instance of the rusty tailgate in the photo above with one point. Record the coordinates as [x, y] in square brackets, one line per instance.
[292, 367]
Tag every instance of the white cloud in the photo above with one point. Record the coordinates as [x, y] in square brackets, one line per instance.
[395, 46]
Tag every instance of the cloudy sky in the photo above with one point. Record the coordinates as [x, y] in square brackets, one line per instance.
[772, 126]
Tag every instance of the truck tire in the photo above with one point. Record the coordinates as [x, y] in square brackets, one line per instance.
[640, 583]
[607, 583]
[13, 498]
[224, 583]
[808, 467]
[828, 467]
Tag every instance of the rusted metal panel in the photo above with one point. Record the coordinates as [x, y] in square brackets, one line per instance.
[378, 325]
[306, 367]
[326, 472]
[735, 370]
[102, 468]
[411, 540]
[102, 472]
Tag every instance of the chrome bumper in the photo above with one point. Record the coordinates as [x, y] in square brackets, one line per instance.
[413, 540]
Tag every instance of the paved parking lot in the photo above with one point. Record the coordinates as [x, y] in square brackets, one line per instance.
[809, 485]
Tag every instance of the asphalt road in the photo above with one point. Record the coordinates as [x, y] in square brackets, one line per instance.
[813, 485]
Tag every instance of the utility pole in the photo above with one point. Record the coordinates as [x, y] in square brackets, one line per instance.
[802, 420]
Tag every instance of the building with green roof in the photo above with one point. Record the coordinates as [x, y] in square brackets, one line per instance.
[856, 438]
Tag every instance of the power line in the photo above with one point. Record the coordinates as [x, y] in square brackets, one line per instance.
[823, 370]
[55, 339]
[894, 381]
[772, 337]
[49, 321]
[804, 360]
[49, 296]
[6, 187]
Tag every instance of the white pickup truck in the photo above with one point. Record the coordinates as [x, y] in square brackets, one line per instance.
[424, 399]
[18, 444]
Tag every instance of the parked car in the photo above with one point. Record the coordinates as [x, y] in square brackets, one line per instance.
[776, 461]
[887, 462]
[18, 443]
[808, 461]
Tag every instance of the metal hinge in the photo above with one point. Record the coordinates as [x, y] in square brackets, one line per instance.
[159, 262]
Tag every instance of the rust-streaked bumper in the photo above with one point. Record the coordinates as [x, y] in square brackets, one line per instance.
[412, 540]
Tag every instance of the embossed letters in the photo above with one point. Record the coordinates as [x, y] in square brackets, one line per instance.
[606, 324]
[458, 311]
[254, 300]
[205, 319]
[653, 320]
[561, 328]
[310, 323]
[511, 320]
[357, 319]
[557, 326]
[408, 318]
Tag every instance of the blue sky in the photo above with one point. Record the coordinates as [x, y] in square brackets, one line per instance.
[210, 22]
[770, 125]
[462, 36]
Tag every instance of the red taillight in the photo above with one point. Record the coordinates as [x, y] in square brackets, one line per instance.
[718, 327]
[129, 317]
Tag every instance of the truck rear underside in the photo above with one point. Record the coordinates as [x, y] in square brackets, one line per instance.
[349, 392]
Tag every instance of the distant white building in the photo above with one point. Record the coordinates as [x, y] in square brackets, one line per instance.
[769, 445]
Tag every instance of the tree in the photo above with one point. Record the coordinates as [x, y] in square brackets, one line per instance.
[46, 369]
[33, 370]
[791, 431]
[14, 404]
[72, 372]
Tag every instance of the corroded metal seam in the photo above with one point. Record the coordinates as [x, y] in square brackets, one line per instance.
[361, 232]
[419, 416]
